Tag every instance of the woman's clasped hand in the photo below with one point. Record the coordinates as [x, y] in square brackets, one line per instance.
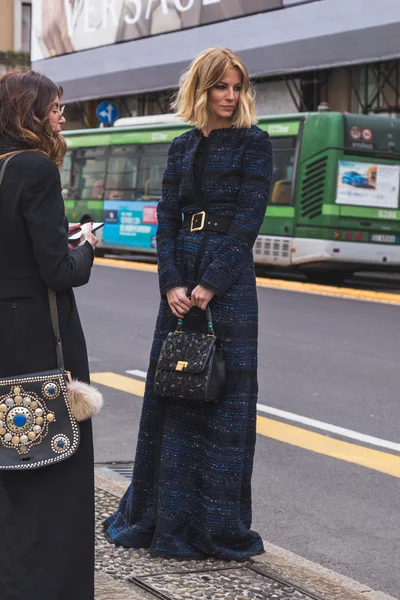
[180, 303]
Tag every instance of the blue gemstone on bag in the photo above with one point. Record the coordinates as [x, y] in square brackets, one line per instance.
[19, 420]
[61, 443]
[51, 390]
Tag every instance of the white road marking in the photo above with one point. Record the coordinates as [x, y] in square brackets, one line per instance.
[137, 373]
[349, 433]
[354, 435]
[93, 359]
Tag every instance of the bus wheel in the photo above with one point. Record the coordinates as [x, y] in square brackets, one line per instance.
[328, 277]
[99, 252]
[85, 219]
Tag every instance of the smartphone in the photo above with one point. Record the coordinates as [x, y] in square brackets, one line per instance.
[76, 233]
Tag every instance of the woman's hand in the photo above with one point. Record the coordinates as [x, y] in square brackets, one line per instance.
[87, 235]
[201, 296]
[178, 302]
[71, 228]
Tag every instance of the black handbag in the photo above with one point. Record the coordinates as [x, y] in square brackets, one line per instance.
[191, 365]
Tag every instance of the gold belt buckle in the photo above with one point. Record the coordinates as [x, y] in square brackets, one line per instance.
[181, 364]
[193, 227]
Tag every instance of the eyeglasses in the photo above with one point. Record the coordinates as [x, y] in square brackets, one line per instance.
[60, 112]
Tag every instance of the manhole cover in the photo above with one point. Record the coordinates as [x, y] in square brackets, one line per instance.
[236, 583]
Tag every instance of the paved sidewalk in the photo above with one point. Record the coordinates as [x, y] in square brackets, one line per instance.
[127, 574]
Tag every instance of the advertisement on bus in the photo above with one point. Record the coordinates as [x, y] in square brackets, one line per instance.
[368, 184]
[130, 224]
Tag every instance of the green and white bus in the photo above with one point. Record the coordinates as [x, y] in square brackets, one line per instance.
[334, 202]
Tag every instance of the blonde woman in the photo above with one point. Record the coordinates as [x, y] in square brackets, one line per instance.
[190, 494]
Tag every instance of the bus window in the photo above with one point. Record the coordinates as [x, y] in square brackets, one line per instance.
[283, 150]
[66, 173]
[90, 171]
[122, 172]
[151, 168]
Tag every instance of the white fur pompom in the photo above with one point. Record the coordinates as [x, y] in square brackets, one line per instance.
[84, 399]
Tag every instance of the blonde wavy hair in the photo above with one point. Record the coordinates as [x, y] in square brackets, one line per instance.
[26, 99]
[206, 71]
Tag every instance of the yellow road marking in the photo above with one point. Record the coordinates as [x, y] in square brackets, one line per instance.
[282, 432]
[281, 284]
[119, 382]
[125, 264]
[328, 290]
[322, 444]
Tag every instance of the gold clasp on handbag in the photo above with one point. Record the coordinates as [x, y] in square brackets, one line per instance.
[198, 220]
[181, 364]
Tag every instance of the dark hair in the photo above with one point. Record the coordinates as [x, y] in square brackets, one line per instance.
[26, 99]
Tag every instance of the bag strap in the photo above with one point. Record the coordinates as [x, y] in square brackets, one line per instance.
[52, 295]
[56, 328]
[210, 325]
[5, 163]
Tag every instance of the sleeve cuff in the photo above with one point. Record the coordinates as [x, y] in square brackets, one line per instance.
[210, 286]
[170, 286]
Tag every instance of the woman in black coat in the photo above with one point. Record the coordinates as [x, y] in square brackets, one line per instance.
[46, 515]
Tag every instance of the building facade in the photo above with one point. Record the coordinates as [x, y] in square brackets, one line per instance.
[301, 53]
[15, 33]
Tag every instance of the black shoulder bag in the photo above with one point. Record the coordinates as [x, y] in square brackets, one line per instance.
[37, 427]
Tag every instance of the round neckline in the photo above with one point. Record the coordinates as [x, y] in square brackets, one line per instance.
[220, 130]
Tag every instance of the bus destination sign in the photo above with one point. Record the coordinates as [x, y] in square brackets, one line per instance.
[366, 133]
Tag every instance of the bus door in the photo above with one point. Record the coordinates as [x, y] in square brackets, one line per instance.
[88, 183]
[281, 210]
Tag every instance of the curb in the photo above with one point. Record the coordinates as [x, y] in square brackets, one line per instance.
[291, 568]
[313, 578]
[277, 284]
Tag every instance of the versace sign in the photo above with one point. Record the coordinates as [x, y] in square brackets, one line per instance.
[65, 26]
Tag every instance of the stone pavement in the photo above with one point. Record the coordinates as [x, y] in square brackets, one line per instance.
[129, 574]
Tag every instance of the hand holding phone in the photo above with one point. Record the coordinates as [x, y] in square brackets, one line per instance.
[76, 234]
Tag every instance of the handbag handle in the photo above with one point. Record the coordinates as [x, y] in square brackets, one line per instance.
[179, 326]
[52, 295]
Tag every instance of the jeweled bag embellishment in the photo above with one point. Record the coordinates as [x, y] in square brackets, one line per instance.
[51, 390]
[60, 443]
[25, 418]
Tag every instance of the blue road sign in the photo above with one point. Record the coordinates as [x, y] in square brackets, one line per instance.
[107, 112]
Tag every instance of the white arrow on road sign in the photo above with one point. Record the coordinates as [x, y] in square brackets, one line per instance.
[107, 113]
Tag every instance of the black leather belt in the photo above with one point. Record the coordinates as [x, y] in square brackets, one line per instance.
[203, 221]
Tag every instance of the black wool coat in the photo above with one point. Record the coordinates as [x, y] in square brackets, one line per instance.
[34, 256]
[47, 515]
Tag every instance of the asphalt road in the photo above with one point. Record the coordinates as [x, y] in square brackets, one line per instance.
[328, 359]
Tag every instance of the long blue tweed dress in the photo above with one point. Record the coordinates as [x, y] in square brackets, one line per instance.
[190, 494]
